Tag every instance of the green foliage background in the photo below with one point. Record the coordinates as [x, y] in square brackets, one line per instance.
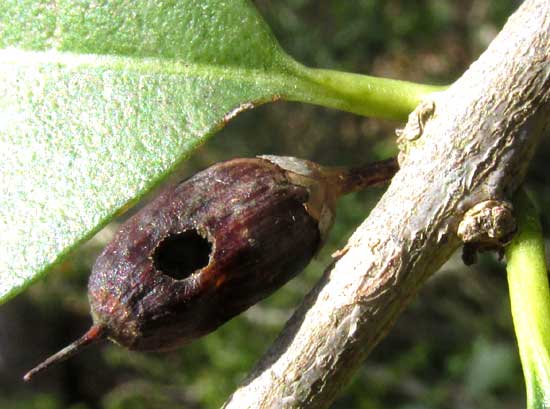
[454, 348]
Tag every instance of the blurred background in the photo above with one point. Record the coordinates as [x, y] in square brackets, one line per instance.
[453, 348]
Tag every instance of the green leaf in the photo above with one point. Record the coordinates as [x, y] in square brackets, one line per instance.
[530, 301]
[101, 100]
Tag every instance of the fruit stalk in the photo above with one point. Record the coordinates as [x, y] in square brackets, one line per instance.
[354, 179]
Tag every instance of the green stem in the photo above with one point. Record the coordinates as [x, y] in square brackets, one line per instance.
[360, 94]
[530, 302]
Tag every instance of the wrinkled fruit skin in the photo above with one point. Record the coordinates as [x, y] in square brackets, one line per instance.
[253, 234]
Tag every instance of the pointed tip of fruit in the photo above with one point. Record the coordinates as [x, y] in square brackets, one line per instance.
[94, 334]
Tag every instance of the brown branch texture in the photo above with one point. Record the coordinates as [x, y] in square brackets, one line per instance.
[463, 146]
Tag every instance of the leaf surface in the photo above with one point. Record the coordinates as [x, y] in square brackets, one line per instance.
[101, 100]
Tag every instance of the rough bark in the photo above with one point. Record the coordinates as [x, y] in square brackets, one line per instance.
[474, 146]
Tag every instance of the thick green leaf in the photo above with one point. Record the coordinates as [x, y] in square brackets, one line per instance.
[100, 100]
[82, 135]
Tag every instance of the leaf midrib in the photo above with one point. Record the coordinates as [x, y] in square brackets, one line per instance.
[146, 65]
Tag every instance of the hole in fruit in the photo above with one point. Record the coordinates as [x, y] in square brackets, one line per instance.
[179, 255]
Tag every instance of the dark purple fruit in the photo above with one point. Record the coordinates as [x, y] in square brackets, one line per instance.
[210, 247]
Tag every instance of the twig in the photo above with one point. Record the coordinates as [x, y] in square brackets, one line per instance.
[475, 145]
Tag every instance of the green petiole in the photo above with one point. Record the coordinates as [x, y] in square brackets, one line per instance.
[530, 302]
[357, 93]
